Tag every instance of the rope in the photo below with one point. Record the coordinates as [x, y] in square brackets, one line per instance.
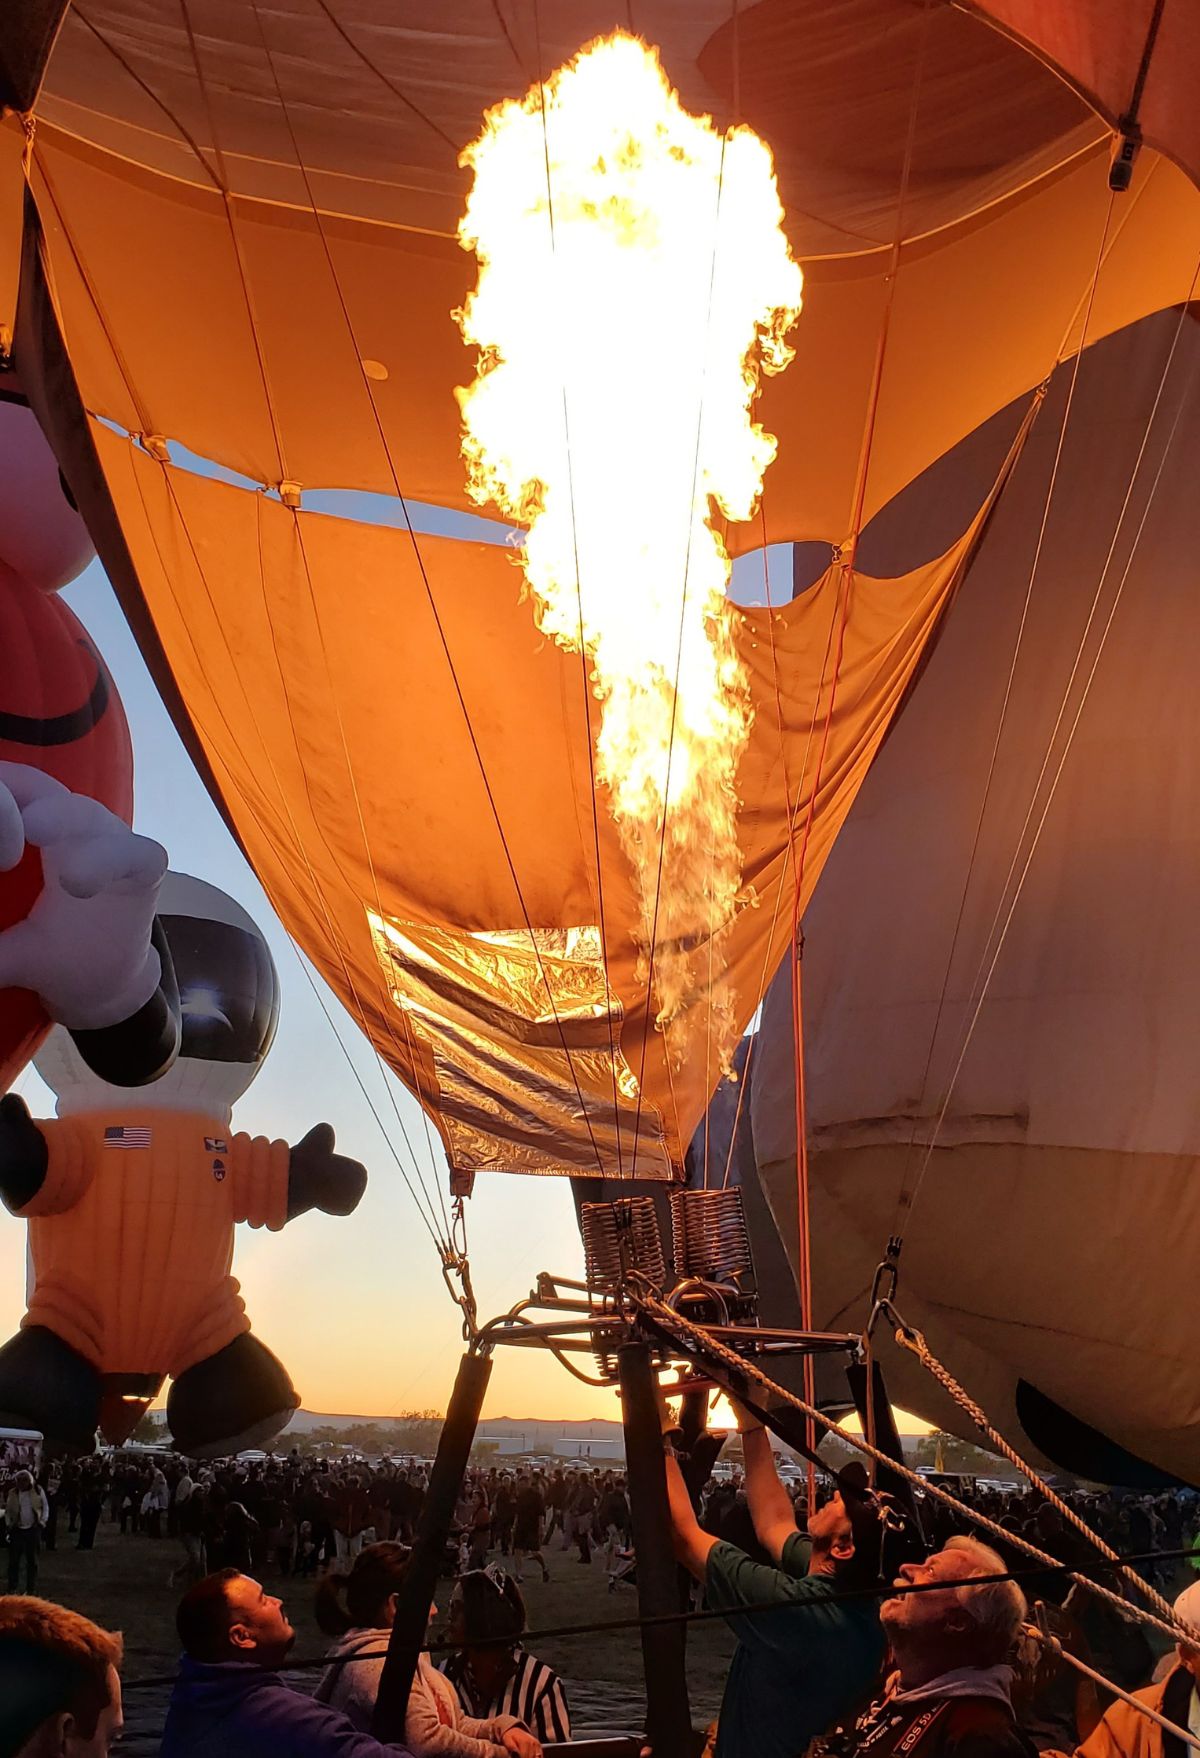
[914, 1341]
[705, 1344]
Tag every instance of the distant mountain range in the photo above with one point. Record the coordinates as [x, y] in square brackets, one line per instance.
[538, 1429]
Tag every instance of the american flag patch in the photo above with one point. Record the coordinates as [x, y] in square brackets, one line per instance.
[123, 1135]
[215, 1144]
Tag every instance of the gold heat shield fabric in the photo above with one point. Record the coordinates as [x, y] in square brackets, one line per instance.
[404, 758]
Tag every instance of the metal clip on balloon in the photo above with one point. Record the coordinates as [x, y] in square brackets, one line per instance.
[160, 1178]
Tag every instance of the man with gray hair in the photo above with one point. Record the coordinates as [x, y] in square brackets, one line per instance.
[949, 1693]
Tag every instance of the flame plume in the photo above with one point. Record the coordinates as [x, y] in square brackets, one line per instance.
[634, 281]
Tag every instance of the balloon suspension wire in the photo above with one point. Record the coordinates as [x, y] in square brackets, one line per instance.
[159, 102]
[701, 1344]
[385, 1010]
[683, 597]
[994, 943]
[904, 1198]
[846, 566]
[586, 692]
[429, 1218]
[422, 569]
[794, 807]
[735, 120]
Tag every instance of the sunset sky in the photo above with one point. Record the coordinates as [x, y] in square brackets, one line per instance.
[356, 1308]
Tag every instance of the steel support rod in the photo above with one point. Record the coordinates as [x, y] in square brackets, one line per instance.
[668, 1716]
[407, 1636]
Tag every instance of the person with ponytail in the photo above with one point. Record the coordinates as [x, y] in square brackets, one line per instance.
[359, 1608]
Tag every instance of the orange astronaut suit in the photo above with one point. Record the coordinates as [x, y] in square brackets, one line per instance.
[131, 1234]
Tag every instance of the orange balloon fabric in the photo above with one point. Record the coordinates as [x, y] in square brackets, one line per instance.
[404, 758]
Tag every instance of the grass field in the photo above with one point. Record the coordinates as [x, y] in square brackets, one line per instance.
[123, 1584]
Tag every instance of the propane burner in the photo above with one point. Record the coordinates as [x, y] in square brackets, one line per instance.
[619, 1237]
[713, 1266]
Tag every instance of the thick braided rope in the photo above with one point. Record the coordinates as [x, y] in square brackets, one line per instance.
[914, 1341]
[671, 1320]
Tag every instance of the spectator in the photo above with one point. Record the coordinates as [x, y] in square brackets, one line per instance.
[810, 1660]
[351, 1516]
[435, 1725]
[60, 1693]
[53, 1488]
[307, 1556]
[613, 1522]
[504, 1508]
[492, 1674]
[26, 1512]
[556, 1502]
[228, 1700]
[583, 1508]
[155, 1503]
[479, 1531]
[285, 1542]
[527, 1527]
[239, 1531]
[949, 1695]
[1124, 1733]
[91, 1504]
[190, 1522]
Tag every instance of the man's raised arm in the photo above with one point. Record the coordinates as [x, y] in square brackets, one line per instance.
[770, 1504]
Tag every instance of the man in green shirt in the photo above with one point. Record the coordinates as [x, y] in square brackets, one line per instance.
[812, 1661]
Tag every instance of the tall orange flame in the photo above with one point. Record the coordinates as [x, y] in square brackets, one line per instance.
[634, 281]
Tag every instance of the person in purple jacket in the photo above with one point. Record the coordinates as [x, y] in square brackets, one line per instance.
[229, 1701]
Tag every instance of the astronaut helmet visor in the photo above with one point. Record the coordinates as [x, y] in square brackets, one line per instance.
[228, 990]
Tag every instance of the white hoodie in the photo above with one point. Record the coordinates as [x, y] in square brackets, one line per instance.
[434, 1724]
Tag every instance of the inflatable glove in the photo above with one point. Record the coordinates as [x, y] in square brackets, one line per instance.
[320, 1179]
[89, 947]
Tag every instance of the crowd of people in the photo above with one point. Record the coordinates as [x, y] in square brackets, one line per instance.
[303, 1514]
[942, 1661]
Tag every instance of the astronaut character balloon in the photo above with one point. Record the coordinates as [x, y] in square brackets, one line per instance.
[132, 1199]
[77, 885]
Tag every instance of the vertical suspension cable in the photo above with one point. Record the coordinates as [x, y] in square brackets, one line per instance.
[534, 944]
[846, 564]
[202, 575]
[980, 987]
[583, 660]
[687, 564]
[899, 1218]
[260, 354]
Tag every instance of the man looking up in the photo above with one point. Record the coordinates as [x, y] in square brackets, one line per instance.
[60, 1696]
[951, 1642]
[809, 1661]
[228, 1700]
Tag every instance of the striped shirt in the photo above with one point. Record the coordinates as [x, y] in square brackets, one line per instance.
[534, 1694]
